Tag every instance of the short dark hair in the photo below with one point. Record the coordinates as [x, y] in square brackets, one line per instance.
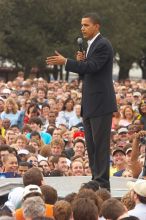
[33, 176]
[35, 120]
[93, 184]
[84, 209]
[49, 194]
[95, 18]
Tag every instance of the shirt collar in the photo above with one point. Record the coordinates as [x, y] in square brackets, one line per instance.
[89, 42]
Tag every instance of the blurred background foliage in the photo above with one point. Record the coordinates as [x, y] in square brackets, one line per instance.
[30, 30]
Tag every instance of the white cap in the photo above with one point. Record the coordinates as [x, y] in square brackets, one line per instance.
[31, 189]
[23, 151]
[137, 94]
[122, 130]
[139, 187]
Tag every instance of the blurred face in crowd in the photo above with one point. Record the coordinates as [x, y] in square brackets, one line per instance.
[62, 164]
[33, 161]
[41, 94]
[87, 169]
[22, 170]
[11, 164]
[45, 111]
[128, 113]
[10, 137]
[79, 149]
[45, 166]
[119, 158]
[1, 106]
[56, 133]
[20, 143]
[77, 168]
[6, 123]
[77, 109]
[3, 153]
[56, 150]
[128, 157]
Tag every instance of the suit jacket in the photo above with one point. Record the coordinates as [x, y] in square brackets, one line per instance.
[98, 96]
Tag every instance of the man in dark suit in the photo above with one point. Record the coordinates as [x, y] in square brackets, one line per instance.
[98, 96]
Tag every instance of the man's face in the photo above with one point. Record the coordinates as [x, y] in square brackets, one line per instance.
[62, 164]
[11, 165]
[119, 158]
[3, 153]
[89, 30]
[22, 170]
[34, 126]
[77, 168]
[56, 150]
[79, 148]
[6, 123]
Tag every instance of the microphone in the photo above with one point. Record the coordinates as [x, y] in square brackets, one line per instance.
[80, 44]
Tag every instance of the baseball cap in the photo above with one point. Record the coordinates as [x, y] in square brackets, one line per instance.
[137, 94]
[23, 151]
[128, 150]
[118, 149]
[78, 134]
[122, 130]
[139, 187]
[31, 189]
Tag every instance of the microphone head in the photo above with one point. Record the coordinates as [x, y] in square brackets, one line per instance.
[79, 41]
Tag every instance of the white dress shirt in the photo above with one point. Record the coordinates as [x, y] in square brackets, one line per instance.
[89, 42]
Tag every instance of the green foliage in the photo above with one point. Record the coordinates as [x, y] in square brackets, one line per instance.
[32, 29]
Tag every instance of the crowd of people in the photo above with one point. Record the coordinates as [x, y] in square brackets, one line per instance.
[41, 128]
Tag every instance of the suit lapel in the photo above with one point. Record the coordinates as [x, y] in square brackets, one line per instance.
[93, 45]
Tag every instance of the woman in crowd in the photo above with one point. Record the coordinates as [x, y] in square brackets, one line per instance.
[11, 112]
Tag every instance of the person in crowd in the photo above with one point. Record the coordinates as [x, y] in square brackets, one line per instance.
[137, 145]
[138, 195]
[84, 209]
[23, 168]
[142, 111]
[6, 123]
[11, 112]
[57, 146]
[10, 137]
[67, 112]
[50, 194]
[32, 111]
[10, 166]
[45, 167]
[20, 142]
[76, 119]
[79, 147]
[35, 124]
[77, 168]
[45, 116]
[87, 169]
[33, 207]
[113, 209]
[14, 201]
[41, 97]
[128, 116]
[2, 104]
[61, 164]
[62, 210]
[119, 160]
[33, 191]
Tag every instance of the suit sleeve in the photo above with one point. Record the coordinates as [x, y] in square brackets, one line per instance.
[91, 65]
